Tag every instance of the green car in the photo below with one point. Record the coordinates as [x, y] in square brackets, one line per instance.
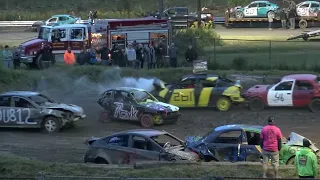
[240, 142]
[256, 9]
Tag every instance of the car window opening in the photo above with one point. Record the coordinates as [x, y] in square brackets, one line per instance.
[40, 99]
[21, 103]
[167, 140]
[253, 138]
[230, 137]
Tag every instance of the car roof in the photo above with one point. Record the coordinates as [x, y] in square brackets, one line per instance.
[300, 76]
[238, 126]
[195, 76]
[20, 93]
[142, 132]
[68, 26]
[60, 15]
[128, 89]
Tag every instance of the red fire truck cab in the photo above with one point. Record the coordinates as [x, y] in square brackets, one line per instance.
[79, 36]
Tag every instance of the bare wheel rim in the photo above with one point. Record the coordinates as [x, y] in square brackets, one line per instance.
[146, 121]
[239, 14]
[50, 125]
[316, 105]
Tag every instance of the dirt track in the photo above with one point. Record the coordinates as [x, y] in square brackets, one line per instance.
[68, 145]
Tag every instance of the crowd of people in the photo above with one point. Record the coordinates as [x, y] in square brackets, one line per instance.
[286, 14]
[135, 55]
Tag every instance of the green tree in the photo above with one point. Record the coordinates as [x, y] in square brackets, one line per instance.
[232, 3]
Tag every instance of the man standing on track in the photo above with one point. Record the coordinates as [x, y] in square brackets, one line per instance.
[271, 144]
[306, 161]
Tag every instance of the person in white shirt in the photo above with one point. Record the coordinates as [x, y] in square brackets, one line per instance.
[132, 57]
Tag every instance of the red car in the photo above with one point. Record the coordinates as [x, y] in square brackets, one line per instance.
[296, 90]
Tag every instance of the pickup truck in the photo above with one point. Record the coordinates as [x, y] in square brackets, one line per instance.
[179, 14]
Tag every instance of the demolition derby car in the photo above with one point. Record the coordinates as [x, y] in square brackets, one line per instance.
[241, 142]
[135, 104]
[255, 9]
[130, 146]
[24, 109]
[200, 90]
[296, 90]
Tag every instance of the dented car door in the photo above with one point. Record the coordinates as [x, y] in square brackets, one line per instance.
[144, 149]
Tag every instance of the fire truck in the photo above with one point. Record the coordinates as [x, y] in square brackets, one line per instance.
[56, 39]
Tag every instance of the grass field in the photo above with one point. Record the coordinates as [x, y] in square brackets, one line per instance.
[43, 9]
[14, 166]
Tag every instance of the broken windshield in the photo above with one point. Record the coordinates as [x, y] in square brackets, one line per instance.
[143, 96]
[165, 140]
[44, 33]
[40, 99]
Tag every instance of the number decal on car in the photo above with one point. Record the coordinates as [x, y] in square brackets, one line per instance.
[279, 96]
[15, 115]
[303, 11]
[180, 97]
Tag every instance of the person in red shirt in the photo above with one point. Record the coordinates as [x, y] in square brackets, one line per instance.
[271, 144]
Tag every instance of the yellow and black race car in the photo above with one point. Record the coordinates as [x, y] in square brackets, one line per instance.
[200, 90]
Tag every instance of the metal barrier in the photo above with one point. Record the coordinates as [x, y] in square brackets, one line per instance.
[45, 177]
[16, 23]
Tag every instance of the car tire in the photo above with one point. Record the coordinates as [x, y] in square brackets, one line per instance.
[223, 104]
[239, 15]
[105, 117]
[51, 125]
[314, 105]
[100, 160]
[271, 14]
[146, 121]
[256, 104]
[291, 161]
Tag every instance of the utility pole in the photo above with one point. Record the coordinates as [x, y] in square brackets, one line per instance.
[199, 12]
[161, 7]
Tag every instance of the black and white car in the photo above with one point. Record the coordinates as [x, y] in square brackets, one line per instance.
[26, 109]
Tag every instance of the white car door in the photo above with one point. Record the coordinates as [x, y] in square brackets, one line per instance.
[281, 94]
[303, 9]
[251, 10]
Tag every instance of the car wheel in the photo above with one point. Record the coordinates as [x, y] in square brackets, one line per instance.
[100, 160]
[51, 125]
[223, 104]
[146, 121]
[239, 15]
[271, 14]
[256, 104]
[105, 117]
[291, 161]
[303, 24]
[314, 105]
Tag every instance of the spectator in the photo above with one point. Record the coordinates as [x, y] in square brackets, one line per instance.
[132, 57]
[191, 55]
[140, 55]
[173, 54]
[152, 62]
[160, 53]
[283, 18]
[292, 14]
[116, 53]
[270, 20]
[306, 161]
[69, 57]
[146, 55]
[105, 52]
[16, 59]
[82, 58]
[93, 58]
[271, 144]
[7, 57]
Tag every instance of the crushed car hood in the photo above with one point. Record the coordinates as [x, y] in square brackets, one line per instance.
[297, 140]
[183, 155]
[192, 141]
[160, 106]
[258, 88]
[70, 107]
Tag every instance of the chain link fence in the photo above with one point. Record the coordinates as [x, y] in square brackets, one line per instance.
[45, 177]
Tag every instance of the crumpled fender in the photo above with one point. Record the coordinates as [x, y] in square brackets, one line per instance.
[234, 93]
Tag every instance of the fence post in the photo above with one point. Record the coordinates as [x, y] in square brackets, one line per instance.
[40, 176]
[214, 50]
[270, 55]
